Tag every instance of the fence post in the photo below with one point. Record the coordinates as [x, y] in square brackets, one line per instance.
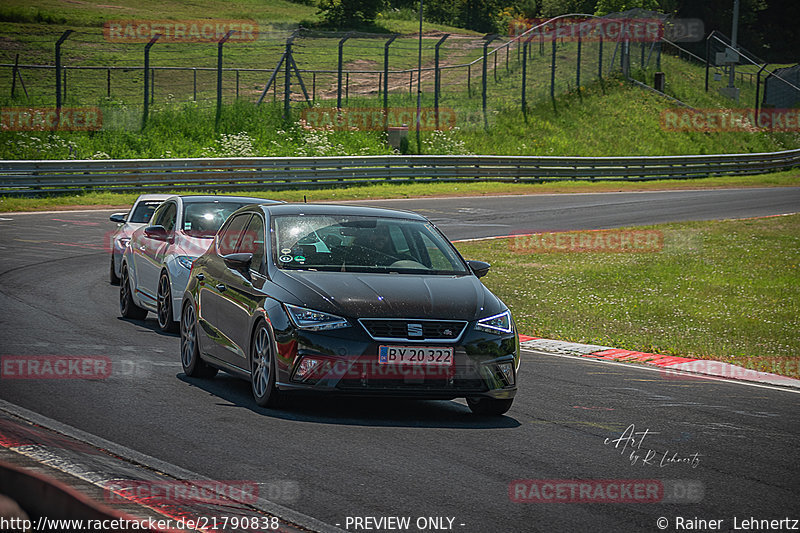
[436, 81]
[524, 76]
[287, 80]
[469, 79]
[58, 68]
[489, 38]
[65, 83]
[14, 75]
[147, 78]
[313, 86]
[108, 83]
[219, 76]
[578, 67]
[339, 70]
[237, 83]
[553, 74]
[600, 60]
[758, 91]
[386, 81]
[194, 83]
[708, 53]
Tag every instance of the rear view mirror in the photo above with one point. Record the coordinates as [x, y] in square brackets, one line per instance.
[479, 268]
[118, 217]
[158, 233]
[240, 262]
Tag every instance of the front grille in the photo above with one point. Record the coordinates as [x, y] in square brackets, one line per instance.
[398, 329]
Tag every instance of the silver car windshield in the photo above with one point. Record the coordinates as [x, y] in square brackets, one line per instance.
[362, 244]
[144, 210]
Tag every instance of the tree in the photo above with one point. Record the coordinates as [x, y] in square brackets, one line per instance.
[604, 7]
[349, 13]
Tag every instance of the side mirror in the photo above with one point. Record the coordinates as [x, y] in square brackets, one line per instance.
[158, 233]
[479, 268]
[240, 262]
[119, 218]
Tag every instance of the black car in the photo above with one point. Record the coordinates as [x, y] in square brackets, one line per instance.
[347, 300]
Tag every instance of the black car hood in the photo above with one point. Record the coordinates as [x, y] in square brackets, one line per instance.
[391, 295]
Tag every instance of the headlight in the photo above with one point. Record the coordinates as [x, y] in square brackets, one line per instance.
[185, 261]
[315, 320]
[496, 324]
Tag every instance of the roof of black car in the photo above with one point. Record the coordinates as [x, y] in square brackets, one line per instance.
[339, 209]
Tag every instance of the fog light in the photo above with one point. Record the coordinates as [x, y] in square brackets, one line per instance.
[305, 370]
[507, 372]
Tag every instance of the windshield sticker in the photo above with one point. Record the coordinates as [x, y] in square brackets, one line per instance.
[286, 251]
[286, 258]
[299, 258]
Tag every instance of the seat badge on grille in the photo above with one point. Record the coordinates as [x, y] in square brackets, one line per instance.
[414, 330]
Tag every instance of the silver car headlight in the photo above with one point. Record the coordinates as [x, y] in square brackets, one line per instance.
[496, 324]
[312, 320]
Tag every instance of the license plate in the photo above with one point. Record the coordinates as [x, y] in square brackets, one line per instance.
[415, 355]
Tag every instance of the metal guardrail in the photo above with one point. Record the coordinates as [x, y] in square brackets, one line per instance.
[42, 177]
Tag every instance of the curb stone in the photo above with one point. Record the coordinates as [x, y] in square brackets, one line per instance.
[673, 367]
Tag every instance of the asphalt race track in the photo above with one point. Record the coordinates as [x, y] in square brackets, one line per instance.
[721, 450]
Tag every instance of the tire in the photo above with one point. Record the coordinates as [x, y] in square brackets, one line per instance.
[262, 368]
[164, 305]
[112, 274]
[489, 406]
[127, 307]
[193, 366]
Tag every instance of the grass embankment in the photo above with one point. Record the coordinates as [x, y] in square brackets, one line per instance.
[724, 290]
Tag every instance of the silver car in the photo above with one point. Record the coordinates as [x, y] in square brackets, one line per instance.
[157, 261]
[138, 216]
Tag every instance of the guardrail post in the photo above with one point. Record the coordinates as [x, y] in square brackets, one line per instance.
[339, 70]
[437, 84]
[147, 78]
[58, 68]
[489, 38]
[219, 76]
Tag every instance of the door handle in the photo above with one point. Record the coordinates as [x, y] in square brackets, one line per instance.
[142, 248]
[221, 287]
[200, 277]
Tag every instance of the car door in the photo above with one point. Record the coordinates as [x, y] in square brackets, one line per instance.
[151, 251]
[241, 295]
[214, 302]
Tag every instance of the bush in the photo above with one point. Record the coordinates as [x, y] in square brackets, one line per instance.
[349, 13]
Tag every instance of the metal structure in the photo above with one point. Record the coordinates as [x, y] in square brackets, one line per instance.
[31, 178]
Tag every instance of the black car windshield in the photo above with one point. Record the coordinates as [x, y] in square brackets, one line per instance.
[144, 210]
[362, 244]
[203, 219]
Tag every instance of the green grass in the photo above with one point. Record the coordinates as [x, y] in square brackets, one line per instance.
[724, 290]
[418, 190]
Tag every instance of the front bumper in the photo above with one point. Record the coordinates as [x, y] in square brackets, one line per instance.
[484, 365]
